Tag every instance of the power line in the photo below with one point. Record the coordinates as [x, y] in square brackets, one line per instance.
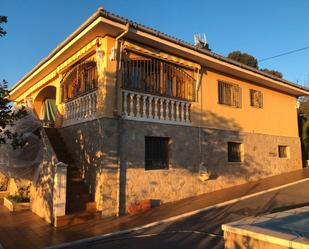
[286, 53]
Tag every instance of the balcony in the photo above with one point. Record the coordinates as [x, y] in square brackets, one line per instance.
[146, 107]
[155, 90]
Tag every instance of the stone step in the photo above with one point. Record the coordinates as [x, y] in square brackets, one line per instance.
[77, 218]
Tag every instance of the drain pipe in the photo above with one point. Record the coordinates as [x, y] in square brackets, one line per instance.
[117, 111]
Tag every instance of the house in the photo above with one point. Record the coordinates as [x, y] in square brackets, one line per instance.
[138, 115]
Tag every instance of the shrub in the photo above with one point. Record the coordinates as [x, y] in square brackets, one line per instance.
[22, 195]
[3, 183]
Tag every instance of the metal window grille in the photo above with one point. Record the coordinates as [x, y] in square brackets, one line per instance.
[234, 152]
[79, 80]
[156, 153]
[256, 98]
[158, 77]
[229, 94]
[283, 151]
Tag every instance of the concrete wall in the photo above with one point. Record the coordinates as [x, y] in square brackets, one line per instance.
[95, 146]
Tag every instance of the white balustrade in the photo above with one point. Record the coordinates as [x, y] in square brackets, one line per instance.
[80, 109]
[146, 107]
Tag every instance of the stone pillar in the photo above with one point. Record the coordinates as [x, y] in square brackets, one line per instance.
[59, 191]
[106, 78]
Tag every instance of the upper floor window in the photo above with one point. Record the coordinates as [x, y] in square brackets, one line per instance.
[156, 76]
[256, 98]
[79, 79]
[229, 94]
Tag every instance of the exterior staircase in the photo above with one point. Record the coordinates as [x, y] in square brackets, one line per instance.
[80, 206]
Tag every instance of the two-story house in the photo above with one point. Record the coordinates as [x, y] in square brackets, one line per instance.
[142, 115]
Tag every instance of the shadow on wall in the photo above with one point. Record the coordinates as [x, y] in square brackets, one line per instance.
[42, 188]
[95, 148]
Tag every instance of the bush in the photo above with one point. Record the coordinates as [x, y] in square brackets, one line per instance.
[3, 183]
[22, 195]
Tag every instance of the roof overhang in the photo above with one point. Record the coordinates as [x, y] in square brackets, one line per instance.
[103, 23]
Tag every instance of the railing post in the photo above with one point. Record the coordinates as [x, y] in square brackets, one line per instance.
[161, 109]
[125, 106]
[150, 107]
[182, 111]
[59, 190]
[131, 96]
[144, 106]
[138, 107]
[155, 108]
[187, 113]
[177, 111]
[172, 110]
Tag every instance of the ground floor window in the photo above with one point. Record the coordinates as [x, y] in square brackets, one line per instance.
[156, 153]
[235, 152]
[283, 151]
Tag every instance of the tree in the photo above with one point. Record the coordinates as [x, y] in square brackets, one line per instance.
[7, 116]
[251, 61]
[272, 72]
[303, 105]
[3, 19]
[244, 58]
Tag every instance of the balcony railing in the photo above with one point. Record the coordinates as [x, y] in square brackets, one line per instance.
[146, 107]
[80, 109]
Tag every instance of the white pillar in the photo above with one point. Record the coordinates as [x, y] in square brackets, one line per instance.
[59, 190]
[125, 106]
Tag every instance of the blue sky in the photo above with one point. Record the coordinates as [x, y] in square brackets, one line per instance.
[262, 28]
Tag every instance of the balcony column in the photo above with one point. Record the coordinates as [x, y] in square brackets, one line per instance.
[182, 109]
[150, 107]
[125, 105]
[144, 114]
[138, 107]
[156, 108]
[162, 109]
[172, 110]
[177, 111]
[131, 96]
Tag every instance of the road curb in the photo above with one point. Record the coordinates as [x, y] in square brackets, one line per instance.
[177, 217]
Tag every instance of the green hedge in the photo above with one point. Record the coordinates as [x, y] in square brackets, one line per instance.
[304, 135]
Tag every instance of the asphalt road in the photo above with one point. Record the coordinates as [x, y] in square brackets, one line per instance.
[203, 230]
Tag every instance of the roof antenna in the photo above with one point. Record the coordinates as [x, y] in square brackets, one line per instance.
[200, 41]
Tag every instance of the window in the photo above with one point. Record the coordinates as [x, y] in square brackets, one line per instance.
[229, 94]
[283, 151]
[156, 153]
[256, 98]
[80, 79]
[235, 152]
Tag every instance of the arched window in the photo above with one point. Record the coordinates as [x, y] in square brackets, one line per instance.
[79, 80]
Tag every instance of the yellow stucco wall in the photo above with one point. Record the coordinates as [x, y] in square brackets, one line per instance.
[277, 117]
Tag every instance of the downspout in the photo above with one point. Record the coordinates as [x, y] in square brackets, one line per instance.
[203, 172]
[117, 111]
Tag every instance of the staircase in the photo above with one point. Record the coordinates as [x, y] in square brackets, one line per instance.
[80, 206]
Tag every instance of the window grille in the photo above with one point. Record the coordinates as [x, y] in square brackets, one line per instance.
[256, 98]
[229, 94]
[156, 153]
[234, 152]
